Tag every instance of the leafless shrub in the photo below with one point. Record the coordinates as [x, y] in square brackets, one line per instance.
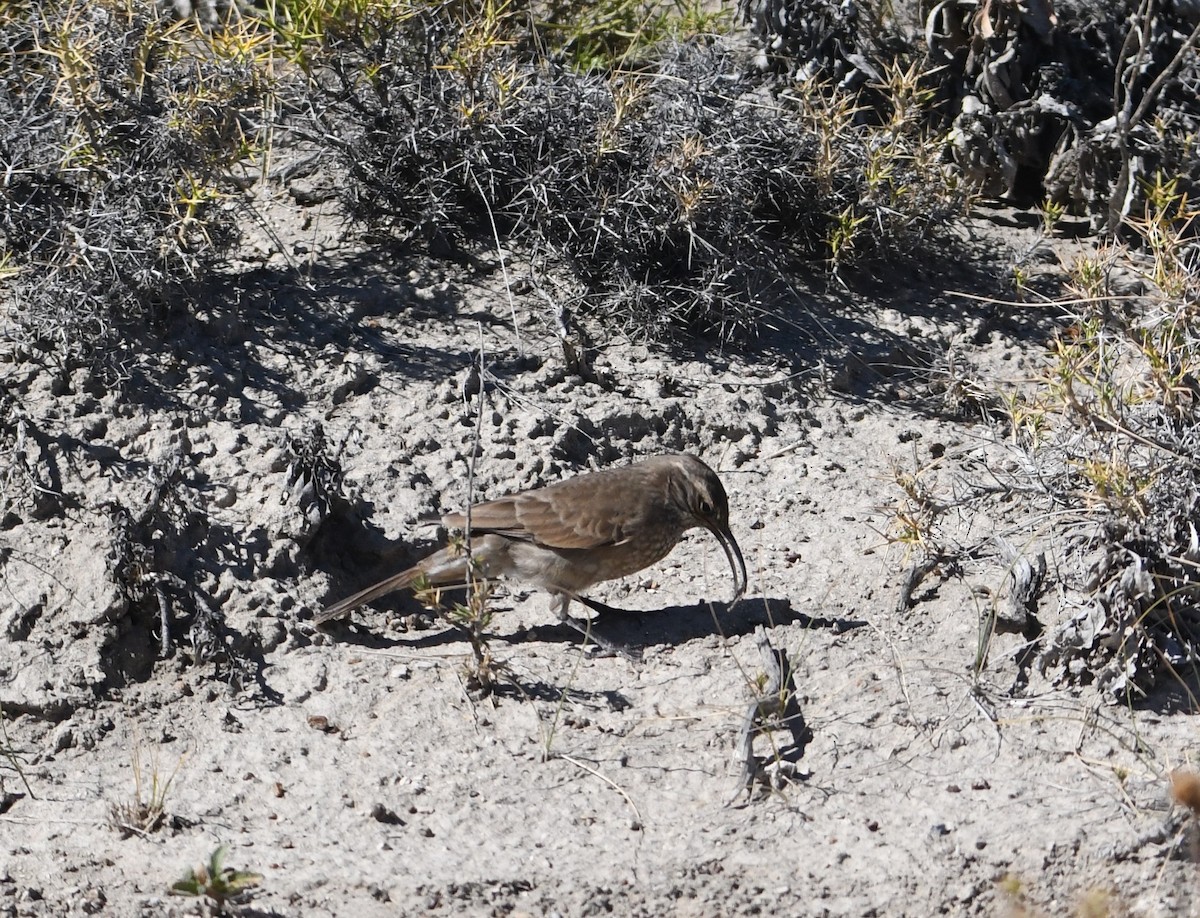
[1076, 102]
[844, 43]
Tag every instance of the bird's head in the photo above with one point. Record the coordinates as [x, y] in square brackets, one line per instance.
[700, 497]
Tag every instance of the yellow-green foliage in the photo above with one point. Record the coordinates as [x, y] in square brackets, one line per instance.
[616, 34]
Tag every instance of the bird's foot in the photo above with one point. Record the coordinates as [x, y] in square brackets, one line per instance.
[603, 609]
[610, 648]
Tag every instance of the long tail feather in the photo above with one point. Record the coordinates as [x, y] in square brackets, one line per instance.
[442, 568]
[361, 598]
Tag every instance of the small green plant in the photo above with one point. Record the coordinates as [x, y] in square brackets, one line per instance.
[302, 27]
[842, 234]
[914, 524]
[1020, 283]
[1115, 485]
[915, 516]
[1165, 229]
[1028, 419]
[1082, 377]
[907, 94]
[1172, 361]
[477, 59]
[833, 115]
[217, 884]
[603, 35]
[1052, 214]
[1089, 277]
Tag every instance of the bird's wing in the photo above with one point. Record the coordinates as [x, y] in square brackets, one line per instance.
[576, 513]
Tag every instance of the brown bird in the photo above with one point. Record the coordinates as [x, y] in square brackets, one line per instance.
[573, 534]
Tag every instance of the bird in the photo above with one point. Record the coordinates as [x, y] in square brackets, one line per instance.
[568, 536]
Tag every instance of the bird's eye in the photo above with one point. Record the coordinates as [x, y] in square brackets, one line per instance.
[705, 507]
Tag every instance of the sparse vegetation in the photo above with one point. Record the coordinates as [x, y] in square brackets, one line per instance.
[679, 196]
[1116, 444]
[472, 618]
[1095, 902]
[147, 811]
[1070, 102]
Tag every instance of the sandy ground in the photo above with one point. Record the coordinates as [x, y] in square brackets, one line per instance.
[359, 775]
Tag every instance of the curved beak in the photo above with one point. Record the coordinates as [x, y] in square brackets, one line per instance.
[733, 553]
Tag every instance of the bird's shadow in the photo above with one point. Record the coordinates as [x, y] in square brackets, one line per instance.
[676, 625]
[672, 626]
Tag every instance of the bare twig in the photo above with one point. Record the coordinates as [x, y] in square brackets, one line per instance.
[775, 701]
[637, 814]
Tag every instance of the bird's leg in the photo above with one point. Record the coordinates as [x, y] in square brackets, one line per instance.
[561, 601]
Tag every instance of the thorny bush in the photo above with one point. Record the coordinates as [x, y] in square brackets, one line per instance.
[118, 130]
[680, 196]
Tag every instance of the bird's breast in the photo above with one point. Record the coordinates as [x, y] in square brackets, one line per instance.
[631, 555]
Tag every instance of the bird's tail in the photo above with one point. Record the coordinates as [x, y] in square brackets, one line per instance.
[442, 568]
[382, 588]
